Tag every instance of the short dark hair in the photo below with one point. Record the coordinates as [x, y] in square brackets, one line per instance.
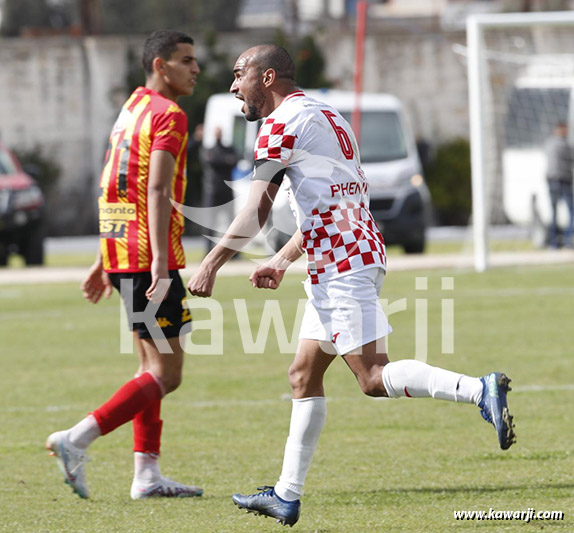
[162, 44]
[277, 58]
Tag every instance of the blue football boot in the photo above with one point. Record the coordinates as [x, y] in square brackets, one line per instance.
[494, 409]
[267, 503]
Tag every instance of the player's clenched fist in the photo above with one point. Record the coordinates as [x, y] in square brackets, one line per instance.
[201, 283]
[265, 277]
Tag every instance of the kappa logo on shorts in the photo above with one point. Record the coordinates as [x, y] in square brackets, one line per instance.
[163, 322]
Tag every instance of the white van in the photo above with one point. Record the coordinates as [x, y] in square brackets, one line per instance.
[536, 104]
[400, 201]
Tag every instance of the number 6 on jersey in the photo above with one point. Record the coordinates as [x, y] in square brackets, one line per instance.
[342, 135]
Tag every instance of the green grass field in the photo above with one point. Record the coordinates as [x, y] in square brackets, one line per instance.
[390, 465]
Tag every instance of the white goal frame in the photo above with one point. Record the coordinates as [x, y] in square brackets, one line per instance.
[475, 26]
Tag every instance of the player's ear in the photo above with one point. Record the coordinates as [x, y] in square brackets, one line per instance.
[269, 77]
[158, 65]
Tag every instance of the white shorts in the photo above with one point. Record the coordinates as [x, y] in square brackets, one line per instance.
[345, 312]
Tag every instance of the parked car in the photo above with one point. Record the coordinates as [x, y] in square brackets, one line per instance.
[21, 212]
[400, 201]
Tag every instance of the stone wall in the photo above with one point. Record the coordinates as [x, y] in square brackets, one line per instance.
[421, 69]
[63, 94]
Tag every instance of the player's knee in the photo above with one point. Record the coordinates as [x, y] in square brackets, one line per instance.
[298, 378]
[372, 384]
[171, 382]
[371, 389]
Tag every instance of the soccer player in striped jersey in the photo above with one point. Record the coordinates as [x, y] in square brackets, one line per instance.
[140, 255]
[313, 147]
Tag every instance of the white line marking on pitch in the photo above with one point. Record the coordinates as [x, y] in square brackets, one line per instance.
[542, 388]
[255, 403]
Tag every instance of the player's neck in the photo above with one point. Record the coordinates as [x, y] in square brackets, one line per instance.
[158, 86]
[280, 92]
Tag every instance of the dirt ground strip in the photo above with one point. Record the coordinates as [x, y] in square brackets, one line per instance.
[36, 275]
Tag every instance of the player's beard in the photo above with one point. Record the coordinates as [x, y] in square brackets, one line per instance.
[255, 106]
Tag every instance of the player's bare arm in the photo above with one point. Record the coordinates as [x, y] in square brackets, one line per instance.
[242, 230]
[97, 282]
[270, 274]
[161, 169]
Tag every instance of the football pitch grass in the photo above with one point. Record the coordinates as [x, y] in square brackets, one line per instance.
[381, 465]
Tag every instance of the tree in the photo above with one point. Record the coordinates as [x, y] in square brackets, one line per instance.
[91, 17]
[309, 60]
[310, 64]
[17, 14]
[118, 16]
[145, 16]
[448, 179]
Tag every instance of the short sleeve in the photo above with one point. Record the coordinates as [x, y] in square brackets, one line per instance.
[169, 130]
[275, 141]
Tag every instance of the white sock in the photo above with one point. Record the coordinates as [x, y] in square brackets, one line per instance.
[146, 467]
[416, 379]
[307, 420]
[84, 432]
[469, 390]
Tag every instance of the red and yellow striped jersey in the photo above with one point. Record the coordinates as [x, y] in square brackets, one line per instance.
[148, 121]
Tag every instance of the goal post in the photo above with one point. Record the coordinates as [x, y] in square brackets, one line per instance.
[504, 38]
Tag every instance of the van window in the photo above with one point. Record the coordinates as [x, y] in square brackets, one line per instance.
[533, 113]
[382, 136]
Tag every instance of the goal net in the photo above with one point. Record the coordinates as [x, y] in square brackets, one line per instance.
[521, 85]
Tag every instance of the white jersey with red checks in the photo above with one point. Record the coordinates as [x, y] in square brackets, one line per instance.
[328, 191]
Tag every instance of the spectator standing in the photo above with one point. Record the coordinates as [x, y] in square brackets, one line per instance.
[559, 160]
[218, 163]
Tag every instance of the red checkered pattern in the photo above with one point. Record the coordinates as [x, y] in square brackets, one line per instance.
[343, 238]
[272, 142]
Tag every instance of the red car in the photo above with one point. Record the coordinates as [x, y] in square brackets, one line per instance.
[21, 212]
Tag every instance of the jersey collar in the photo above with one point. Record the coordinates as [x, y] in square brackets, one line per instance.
[295, 94]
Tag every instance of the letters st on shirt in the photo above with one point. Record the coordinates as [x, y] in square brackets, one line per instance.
[114, 218]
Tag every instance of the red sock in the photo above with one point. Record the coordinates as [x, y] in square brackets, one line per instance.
[147, 429]
[127, 402]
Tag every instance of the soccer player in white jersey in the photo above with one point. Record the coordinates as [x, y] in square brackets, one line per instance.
[308, 143]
